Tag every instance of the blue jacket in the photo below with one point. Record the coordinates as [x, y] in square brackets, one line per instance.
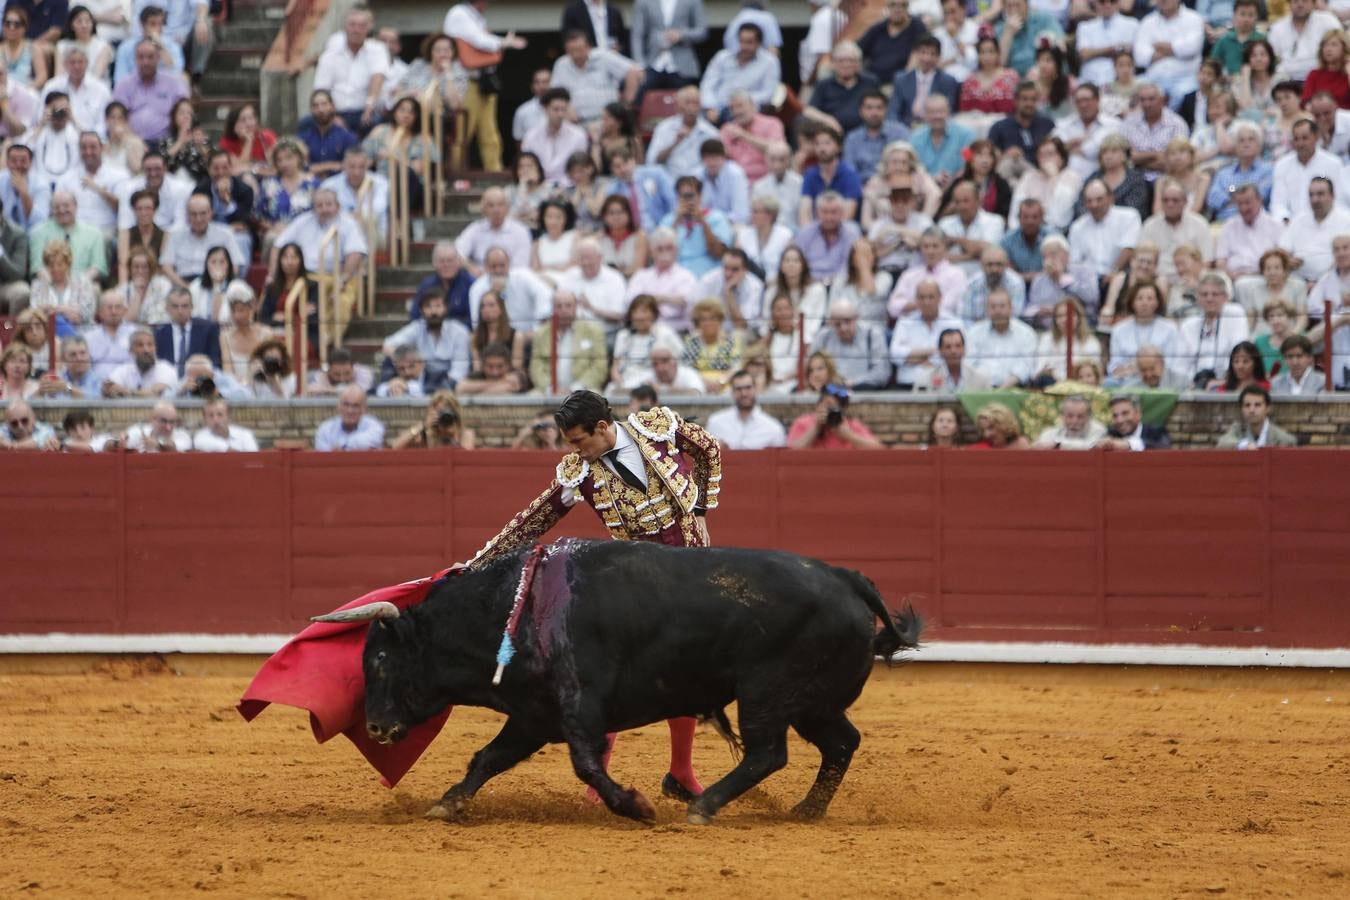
[905, 85]
[656, 194]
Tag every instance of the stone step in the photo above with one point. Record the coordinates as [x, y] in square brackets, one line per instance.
[213, 110]
[248, 30]
[375, 328]
[448, 226]
[221, 83]
[366, 351]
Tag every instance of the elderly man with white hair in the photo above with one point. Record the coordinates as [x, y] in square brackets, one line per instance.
[495, 229]
[23, 431]
[1000, 346]
[675, 288]
[601, 291]
[527, 298]
[858, 348]
[351, 428]
[89, 97]
[780, 182]
[1208, 339]
[307, 231]
[88, 246]
[1076, 429]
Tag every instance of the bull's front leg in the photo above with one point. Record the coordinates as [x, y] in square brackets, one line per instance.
[584, 730]
[513, 744]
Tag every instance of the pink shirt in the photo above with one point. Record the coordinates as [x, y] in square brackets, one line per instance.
[828, 440]
[751, 159]
[677, 281]
[1240, 246]
[553, 150]
[950, 280]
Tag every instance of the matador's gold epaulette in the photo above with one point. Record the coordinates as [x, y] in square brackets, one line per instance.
[655, 424]
[572, 470]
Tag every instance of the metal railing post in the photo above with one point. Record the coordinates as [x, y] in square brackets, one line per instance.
[801, 351]
[329, 289]
[553, 354]
[1326, 346]
[297, 299]
[1069, 331]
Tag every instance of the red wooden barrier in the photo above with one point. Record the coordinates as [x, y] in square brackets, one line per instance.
[1239, 549]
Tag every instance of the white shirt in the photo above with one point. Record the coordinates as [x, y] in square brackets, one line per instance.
[1128, 336]
[1097, 244]
[347, 75]
[787, 192]
[1099, 33]
[240, 440]
[90, 207]
[986, 226]
[55, 153]
[749, 296]
[307, 231]
[528, 115]
[107, 352]
[768, 255]
[606, 291]
[1084, 161]
[827, 23]
[172, 211]
[1207, 345]
[465, 22]
[377, 203]
[1289, 191]
[664, 62]
[958, 50]
[913, 333]
[1185, 31]
[1310, 240]
[756, 432]
[128, 376]
[479, 237]
[87, 102]
[687, 381]
[139, 438]
[629, 454]
[685, 158]
[527, 298]
[1001, 354]
[1296, 50]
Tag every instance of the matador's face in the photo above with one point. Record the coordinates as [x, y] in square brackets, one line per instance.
[590, 446]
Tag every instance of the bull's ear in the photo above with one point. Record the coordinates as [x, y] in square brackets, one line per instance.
[365, 613]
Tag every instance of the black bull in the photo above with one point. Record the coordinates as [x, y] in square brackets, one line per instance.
[642, 633]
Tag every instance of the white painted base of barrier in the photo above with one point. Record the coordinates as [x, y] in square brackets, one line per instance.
[1062, 653]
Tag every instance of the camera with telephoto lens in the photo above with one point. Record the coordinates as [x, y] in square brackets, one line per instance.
[446, 418]
[204, 386]
[841, 398]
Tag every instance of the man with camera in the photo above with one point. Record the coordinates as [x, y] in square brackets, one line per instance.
[88, 97]
[217, 434]
[55, 143]
[201, 381]
[829, 427]
[161, 434]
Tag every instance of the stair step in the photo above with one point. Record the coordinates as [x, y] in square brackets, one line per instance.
[216, 83]
[247, 32]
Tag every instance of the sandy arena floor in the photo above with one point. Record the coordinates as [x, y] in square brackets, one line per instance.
[971, 781]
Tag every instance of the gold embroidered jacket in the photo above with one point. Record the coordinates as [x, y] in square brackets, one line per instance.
[684, 478]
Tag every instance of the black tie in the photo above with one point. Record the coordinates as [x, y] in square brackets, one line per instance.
[624, 472]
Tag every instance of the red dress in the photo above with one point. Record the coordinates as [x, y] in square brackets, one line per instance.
[263, 142]
[1334, 82]
[996, 98]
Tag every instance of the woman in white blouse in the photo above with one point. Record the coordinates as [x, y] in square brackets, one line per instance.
[642, 331]
[1053, 183]
[1052, 348]
[764, 240]
[1147, 326]
[553, 251]
[82, 32]
[208, 289]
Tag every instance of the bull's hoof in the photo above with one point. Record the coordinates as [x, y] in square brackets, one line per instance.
[671, 787]
[698, 818]
[447, 810]
[642, 808]
[807, 812]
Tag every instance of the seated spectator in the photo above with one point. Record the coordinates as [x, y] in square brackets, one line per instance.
[953, 374]
[541, 433]
[781, 183]
[970, 230]
[443, 426]
[1059, 279]
[581, 358]
[159, 435]
[1023, 243]
[1143, 266]
[149, 93]
[931, 267]
[217, 435]
[185, 334]
[449, 280]
[1129, 188]
[1309, 236]
[674, 287]
[81, 39]
[648, 188]
[998, 429]
[737, 289]
[353, 72]
[408, 378]
[825, 243]
[556, 139]
[1146, 325]
[183, 257]
[858, 348]
[895, 235]
[22, 429]
[25, 109]
[1128, 431]
[347, 185]
[587, 191]
[185, 148]
[66, 294]
[203, 381]
[1052, 346]
[144, 234]
[346, 260]
[1018, 136]
[232, 201]
[1174, 227]
[29, 64]
[341, 371]
[1002, 347]
[1333, 123]
[763, 240]
[1332, 286]
[208, 290]
[402, 133]
[145, 375]
[30, 332]
[666, 374]
[641, 333]
[798, 283]
[77, 378]
[1020, 31]
[495, 376]
[783, 346]
[1075, 430]
[1255, 430]
[527, 297]
[889, 43]
[528, 191]
[123, 149]
[1151, 372]
[443, 343]
[744, 425]
[1299, 376]
[109, 339]
[270, 371]
[992, 192]
[1208, 338]
[600, 290]
[993, 274]
[863, 285]
[1245, 366]
[289, 270]
[702, 234]
[494, 327]
[830, 175]
[725, 187]
[240, 335]
[1151, 128]
[939, 143]
[1295, 174]
[1230, 46]
[748, 134]
[16, 369]
[1275, 282]
[1179, 165]
[987, 94]
[711, 349]
[249, 147]
[944, 428]
[676, 141]
[552, 252]
[351, 428]
[864, 145]
[1121, 95]
[493, 230]
[830, 427]
[1104, 236]
[325, 136]
[914, 343]
[760, 367]
[911, 87]
[287, 193]
[1185, 288]
[1246, 235]
[837, 98]
[14, 287]
[618, 131]
[749, 68]
[1278, 316]
[87, 243]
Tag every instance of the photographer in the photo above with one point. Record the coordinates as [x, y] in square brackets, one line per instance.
[442, 427]
[829, 428]
[540, 434]
[271, 369]
[56, 143]
[202, 382]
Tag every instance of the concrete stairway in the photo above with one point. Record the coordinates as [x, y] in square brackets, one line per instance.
[233, 75]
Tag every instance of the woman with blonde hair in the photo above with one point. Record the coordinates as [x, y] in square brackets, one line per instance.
[438, 429]
[1333, 56]
[70, 295]
[759, 366]
[1053, 346]
[820, 371]
[763, 239]
[30, 332]
[711, 349]
[16, 365]
[898, 160]
[145, 289]
[242, 334]
[999, 429]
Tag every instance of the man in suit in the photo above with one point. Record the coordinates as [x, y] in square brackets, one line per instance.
[911, 88]
[586, 15]
[184, 334]
[1299, 377]
[582, 362]
[666, 49]
[1128, 432]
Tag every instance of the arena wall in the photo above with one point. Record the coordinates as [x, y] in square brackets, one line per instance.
[1220, 550]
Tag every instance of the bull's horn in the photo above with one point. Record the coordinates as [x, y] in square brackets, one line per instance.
[380, 609]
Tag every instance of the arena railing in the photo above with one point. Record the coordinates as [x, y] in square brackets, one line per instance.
[1327, 347]
[400, 225]
[433, 130]
[297, 330]
[365, 214]
[330, 290]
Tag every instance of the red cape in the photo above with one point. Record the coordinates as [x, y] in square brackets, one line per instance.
[319, 670]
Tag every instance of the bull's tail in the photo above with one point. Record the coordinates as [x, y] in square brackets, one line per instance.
[899, 632]
[722, 725]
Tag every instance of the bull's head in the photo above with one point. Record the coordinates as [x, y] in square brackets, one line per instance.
[397, 693]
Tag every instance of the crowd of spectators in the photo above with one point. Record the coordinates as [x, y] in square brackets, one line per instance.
[965, 197]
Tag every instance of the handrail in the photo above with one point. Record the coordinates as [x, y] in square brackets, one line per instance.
[1326, 346]
[329, 292]
[365, 214]
[400, 212]
[298, 296]
[801, 351]
[433, 130]
[50, 324]
[1069, 325]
